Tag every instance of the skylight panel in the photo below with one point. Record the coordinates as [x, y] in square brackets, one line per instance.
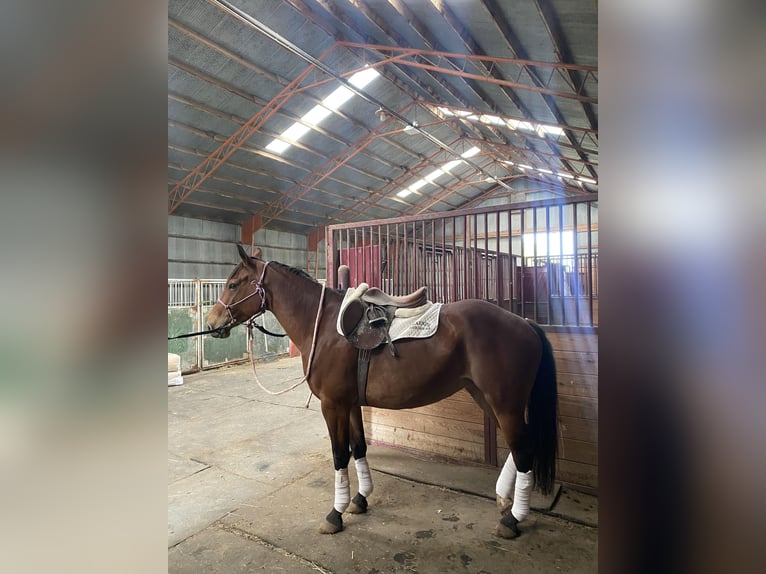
[316, 115]
[337, 98]
[295, 132]
[492, 120]
[361, 79]
[433, 175]
[450, 165]
[438, 172]
[554, 130]
[277, 146]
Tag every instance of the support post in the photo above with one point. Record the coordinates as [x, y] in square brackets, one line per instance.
[249, 228]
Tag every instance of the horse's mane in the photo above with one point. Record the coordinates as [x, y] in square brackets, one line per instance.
[294, 270]
[302, 273]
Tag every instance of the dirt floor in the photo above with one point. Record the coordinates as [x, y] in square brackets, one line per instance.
[250, 479]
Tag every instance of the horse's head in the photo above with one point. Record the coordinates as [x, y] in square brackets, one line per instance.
[242, 295]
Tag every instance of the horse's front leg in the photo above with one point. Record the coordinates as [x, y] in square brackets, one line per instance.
[337, 419]
[359, 450]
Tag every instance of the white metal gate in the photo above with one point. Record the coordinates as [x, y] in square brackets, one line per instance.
[189, 302]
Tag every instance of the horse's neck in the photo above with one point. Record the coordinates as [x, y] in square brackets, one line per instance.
[294, 301]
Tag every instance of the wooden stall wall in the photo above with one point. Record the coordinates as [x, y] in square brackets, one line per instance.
[539, 260]
[576, 357]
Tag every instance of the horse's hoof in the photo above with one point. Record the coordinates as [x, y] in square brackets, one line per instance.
[507, 527]
[358, 505]
[504, 504]
[504, 532]
[333, 523]
[329, 528]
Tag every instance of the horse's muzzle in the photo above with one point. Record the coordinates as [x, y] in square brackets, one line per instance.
[221, 332]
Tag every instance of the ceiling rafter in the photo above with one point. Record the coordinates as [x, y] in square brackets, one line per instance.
[402, 55]
[195, 177]
[434, 44]
[563, 52]
[519, 50]
[278, 79]
[359, 49]
[230, 163]
[304, 90]
[511, 149]
[288, 198]
[399, 183]
[274, 157]
[262, 189]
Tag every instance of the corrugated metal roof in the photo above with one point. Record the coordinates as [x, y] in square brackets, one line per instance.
[226, 70]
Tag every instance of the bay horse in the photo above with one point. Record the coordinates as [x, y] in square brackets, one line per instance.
[504, 361]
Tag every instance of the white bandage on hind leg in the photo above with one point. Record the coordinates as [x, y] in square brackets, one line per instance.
[507, 478]
[342, 490]
[363, 476]
[521, 495]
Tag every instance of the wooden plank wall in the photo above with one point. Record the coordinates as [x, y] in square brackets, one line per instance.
[453, 429]
[577, 373]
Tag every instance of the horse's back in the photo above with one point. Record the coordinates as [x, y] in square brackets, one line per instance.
[487, 322]
[494, 339]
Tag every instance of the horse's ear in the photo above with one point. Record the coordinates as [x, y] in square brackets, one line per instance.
[258, 253]
[243, 254]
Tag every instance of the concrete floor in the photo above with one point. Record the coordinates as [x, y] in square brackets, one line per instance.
[250, 479]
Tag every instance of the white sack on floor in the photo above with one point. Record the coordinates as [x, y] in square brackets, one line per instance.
[174, 370]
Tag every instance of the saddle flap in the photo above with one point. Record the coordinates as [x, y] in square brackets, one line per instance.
[368, 336]
[351, 316]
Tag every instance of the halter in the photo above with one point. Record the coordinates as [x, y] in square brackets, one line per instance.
[259, 290]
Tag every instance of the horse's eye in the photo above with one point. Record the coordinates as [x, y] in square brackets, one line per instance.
[232, 285]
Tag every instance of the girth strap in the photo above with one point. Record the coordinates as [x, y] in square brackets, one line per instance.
[362, 369]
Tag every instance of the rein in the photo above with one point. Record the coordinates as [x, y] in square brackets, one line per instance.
[197, 333]
[250, 324]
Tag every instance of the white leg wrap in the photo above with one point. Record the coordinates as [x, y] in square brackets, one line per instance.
[521, 495]
[363, 476]
[342, 491]
[507, 478]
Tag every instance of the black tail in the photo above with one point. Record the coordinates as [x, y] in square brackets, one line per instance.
[543, 418]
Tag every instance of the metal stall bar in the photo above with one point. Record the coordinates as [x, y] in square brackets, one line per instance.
[576, 271]
[548, 270]
[522, 291]
[589, 260]
[562, 276]
[500, 259]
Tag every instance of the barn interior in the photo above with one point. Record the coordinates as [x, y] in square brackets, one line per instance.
[445, 143]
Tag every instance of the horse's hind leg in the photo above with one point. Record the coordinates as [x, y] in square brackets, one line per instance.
[359, 450]
[337, 419]
[514, 485]
[515, 477]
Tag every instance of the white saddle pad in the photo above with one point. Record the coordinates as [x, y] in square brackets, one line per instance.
[418, 327]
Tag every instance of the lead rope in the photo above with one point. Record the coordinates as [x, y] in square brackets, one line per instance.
[311, 354]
